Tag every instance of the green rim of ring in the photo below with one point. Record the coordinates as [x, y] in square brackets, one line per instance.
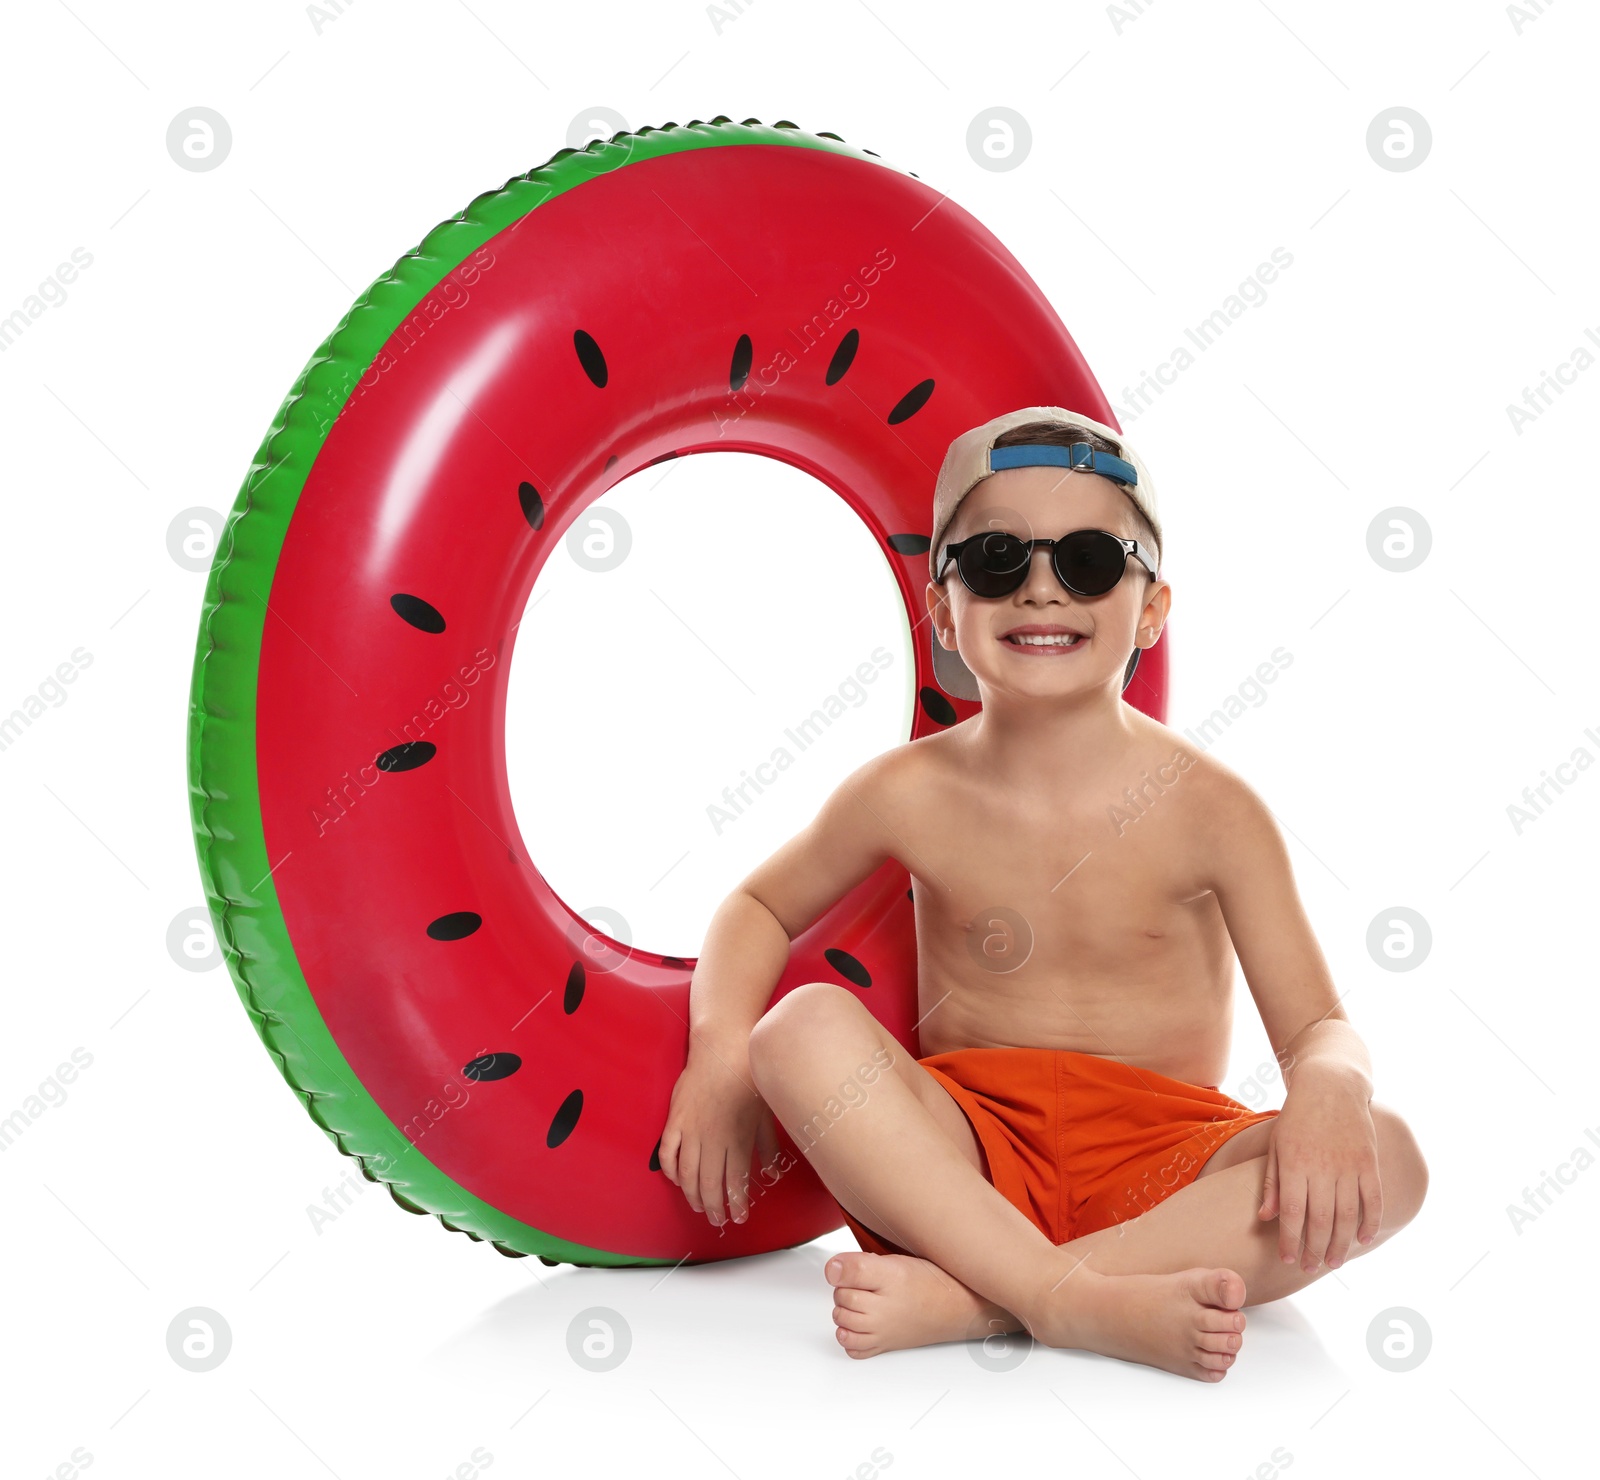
[224, 797]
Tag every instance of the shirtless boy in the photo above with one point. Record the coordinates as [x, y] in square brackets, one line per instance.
[1060, 1159]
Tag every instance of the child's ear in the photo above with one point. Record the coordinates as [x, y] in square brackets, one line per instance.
[1158, 602]
[935, 597]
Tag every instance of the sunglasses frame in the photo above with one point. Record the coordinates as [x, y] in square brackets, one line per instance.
[1136, 548]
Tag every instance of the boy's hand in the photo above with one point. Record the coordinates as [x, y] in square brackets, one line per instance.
[1322, 1171]
[714, 1124]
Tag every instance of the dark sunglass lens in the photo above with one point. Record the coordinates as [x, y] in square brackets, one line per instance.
[994, 564]
[1090, 562]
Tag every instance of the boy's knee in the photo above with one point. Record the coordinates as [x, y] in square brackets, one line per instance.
[813, 1007]
[1401, 1166]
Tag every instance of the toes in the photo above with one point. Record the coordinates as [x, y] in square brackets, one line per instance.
[850, 1320]
[852, 1269]
[1212, 1319]
[1219, 1341]
[1216, 1361]
[1222, 1288]
[855, 1344]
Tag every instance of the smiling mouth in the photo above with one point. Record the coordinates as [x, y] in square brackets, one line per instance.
[1042, 643]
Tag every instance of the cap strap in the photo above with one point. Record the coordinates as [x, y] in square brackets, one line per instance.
[1079, 455]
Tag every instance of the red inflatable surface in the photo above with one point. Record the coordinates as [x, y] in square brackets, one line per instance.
[806, 303]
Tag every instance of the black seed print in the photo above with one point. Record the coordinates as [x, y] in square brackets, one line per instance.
[455, 926]
[532, 504]
[677, 963]
[566, 1119]
[576, 980]
[493, 1066]
[910, 544]
[655, 1156]
[912, 402]
[611, 462]
[912, 897]
[739, 371]
[847, 966]
[842, 356]
[422, 615]
[936, 706]
[551, 1262]
[589, 356]
[407, 757]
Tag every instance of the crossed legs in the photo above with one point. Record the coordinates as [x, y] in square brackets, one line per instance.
[1166, 1288]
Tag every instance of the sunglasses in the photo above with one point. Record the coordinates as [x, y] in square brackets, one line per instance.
[1088, 562]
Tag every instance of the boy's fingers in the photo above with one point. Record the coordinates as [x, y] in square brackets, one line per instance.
[689, 1173]
[711, 1185]
[1346, 1218]
[667, 1154]
[767, 1140]
[1319, 1223]
[739, 1181]
[1371, 1207]
[1291, 1215]
[1269, 1186]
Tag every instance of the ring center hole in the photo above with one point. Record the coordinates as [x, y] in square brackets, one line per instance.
[716, 644]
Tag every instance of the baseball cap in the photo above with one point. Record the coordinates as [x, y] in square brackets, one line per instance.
[972, 458]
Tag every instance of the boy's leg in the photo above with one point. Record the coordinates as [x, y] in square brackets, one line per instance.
[1213, 1219]
[888, 1156]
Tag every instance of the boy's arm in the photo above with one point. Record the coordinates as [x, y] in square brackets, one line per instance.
[744, 955]
[716, 1118]
[1322, 1170]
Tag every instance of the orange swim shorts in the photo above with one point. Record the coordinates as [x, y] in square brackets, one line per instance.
[1078, 1142]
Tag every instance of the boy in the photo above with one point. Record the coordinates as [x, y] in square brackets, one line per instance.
[1060, 1160]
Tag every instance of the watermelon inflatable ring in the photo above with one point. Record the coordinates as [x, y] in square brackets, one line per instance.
[446, 1018]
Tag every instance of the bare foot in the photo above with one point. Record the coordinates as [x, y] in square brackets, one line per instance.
[885, 1302]
[1189, 1323]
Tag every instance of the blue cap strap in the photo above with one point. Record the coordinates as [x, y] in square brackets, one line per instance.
[1079, 455]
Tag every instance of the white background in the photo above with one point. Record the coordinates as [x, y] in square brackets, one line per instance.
[1171, 153]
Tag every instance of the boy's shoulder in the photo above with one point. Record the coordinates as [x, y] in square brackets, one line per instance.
[1218, 793]
[1214, 787]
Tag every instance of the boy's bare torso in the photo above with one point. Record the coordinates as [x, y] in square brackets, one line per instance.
[1063, 914]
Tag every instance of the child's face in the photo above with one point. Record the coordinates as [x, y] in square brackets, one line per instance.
[1046, 503]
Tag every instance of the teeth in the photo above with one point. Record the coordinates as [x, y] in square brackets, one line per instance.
[1057, 641]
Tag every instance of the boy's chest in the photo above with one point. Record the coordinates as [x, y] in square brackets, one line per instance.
[1085, 881]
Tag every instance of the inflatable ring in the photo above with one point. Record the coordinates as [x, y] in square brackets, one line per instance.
[444, 1016]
